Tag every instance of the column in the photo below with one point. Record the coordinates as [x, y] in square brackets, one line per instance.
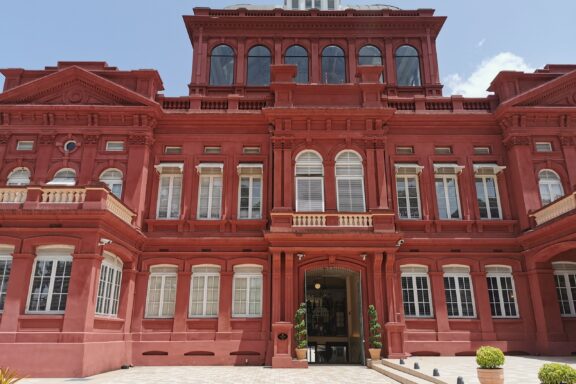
[89, 152]
[276, 287]
[377, 260]
[278, 189]
[381, 169]
[389, 63]
[439, 302]
[18, 291]
[569, 149]
[82, 290]
[289, 302]
[43, 158]
[127, 291]
[287, 183]
[181, 309]
[225, 302]
[329, 186]
[483, 309]
[140, 292]
[352, 61]
[136, 178]
[315, 63]
[371, 174]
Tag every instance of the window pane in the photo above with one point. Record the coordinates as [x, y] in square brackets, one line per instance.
[333, 65]
[407, 66]
[298, 56]
[310, 196]
[350, 195]
[222, 66]
[259, 61]
[5, 267]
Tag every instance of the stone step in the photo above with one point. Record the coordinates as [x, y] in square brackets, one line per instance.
[403, 374]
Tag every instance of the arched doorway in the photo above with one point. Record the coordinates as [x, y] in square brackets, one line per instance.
[333, 298]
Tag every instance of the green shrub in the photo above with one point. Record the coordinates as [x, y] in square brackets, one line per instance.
[375, 328]
[489, 357]
[556, 373]
[7, 376]
[300, 334]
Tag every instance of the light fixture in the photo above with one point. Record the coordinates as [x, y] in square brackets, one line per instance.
[318, 285]
[363, 256]
[300, 256]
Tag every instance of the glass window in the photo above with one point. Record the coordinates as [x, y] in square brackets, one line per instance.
[205, 291]
[222, 65]
[550, 186]
[212, 150]
[298, 56]
[543, 147]
[247, 296]
[113, 178]
[458, 290]
[50, 281]
[109, 286]
[161, 298]
[350, 182]
[19, 176]
[250, 191]
[408, 191]
[172, 150]
[251, 150]
[24, 145]
[210, 191]
[259, 61]
[565, 277]
[333, 65]
[370, 55]
[66, 176]
[5, 268]
[407, 66]
[416, 291]
[447, 195]
[501, 291]
[404, 150]
[482, 150]
[443, 150]
[169, 191]
[115, 146]
[309, 182]
[487, 191]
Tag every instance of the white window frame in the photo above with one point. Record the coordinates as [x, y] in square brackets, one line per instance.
[404, 150]
[163, 275]
[250, 172]
[304, 177]
[481, 150]
[455, 276]
[480, 173]
[211, 177]
[5, 256]
[349, 177]
[115, 146]
[205, 276]
[543, 147]
[249, 276]
[443, 150]
[11, 181]
[170, 176]
[172, 150]
[417, 170]
[111, 182]
[109, 286]
[565, 269]
[29, 144]
[63, 181]
[413, 272]
[251, 150]
[547, 183]
[55, 254]
[499, 272]
[457, 169]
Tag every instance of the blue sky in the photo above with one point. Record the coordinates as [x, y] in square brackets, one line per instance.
[479, 38]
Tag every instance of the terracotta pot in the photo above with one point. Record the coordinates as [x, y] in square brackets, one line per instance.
[301, 353]
[490, 376]
[374, 353]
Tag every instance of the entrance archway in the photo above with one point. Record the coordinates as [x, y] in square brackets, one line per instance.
[333, 298]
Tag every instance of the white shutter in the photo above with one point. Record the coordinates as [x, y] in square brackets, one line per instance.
[350, 195]
[309, 194]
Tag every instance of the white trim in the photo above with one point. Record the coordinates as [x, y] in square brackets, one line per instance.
[47, 256]
[200, 167]
[417, 167]
[205, 276]
[171, 177]
[565, 269]
[163, 276]
[321, 178]
[210, 215]
[494, 167]
[112, 143]
[256, 166]
[251, 179]
[63, 181]
[413, 276]
[18, 180]
[457, 168]
[498, 275]
[485, 197]
[444, 178]
[548, 145]
[160, 167]
[547, 184]
[407, 198]
[459, 303]
[110, 289]
[22, 143]
[4, 278]
[249, 276]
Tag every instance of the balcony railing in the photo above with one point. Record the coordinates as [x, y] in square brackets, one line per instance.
[312, 220]
[85, 198]
[555, 209]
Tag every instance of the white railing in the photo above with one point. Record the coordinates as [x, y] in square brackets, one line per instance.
[355, 221]
[308, 220]
[118, 209]
[555, 209]
[12, 195]
[63, 195]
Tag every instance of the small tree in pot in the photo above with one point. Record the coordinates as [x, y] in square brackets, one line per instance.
[375, 339]
[489, 360]
[300, 333]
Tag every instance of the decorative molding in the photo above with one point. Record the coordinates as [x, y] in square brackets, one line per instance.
[139, 140]
[46, 139]
[91, 139]
[567, 141]
[4, 138]
[516, 140]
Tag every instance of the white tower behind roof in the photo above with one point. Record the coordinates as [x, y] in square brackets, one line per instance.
[309, 4]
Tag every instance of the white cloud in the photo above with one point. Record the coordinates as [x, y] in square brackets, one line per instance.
[475, 85]
[481, 43]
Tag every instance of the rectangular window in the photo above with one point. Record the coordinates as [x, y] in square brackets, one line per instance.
[247, 296]
[309, 194]
[408, 191]
[172, 150]
[443, 150]
[502, 295]
[49, 285]
[482, 150]
[212, 150]
[169, 192]
[488, 199]
[447, 196]
[416, 295]
[114, 146]
[205, 291]
[250, 191]
[566, 291]
[5, 267]
[404, 150]
[210, 191]
[161, 298]
[543, 147]
[109, 287]
[459, 296]
[23, 145]
[251, 150]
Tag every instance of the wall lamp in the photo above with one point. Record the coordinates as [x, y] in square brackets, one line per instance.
[300, 256]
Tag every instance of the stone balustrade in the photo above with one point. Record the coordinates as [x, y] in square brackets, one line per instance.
[355, 220]
[314, 220]
[12, 195]
[308, 220]
[555, 209]
[63, 195]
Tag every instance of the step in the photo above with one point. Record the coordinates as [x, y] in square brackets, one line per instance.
[403, 374]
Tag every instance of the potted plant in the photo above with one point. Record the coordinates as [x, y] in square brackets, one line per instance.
[300, 333]
[375, 339]
[8, 377]
[556, 373]
[490, 361]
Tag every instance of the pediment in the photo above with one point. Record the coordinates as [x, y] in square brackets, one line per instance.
[560, 92]
[73, 86]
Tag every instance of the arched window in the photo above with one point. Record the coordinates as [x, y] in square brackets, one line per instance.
[297, 55]
[259, 61]
[333, 65]
[109, 285]
[113, 179]
[550, 186]
[19, 176]
[222, 65]
[65, 176]
[370, 55]
[309, 182]
[407, 66]
[350, 182]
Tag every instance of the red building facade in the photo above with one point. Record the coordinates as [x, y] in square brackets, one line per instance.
[315, 160]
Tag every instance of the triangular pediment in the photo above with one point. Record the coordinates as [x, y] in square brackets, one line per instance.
[73, 86]
[560, 92]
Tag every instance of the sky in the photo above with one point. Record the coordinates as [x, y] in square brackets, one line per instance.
[479, 39]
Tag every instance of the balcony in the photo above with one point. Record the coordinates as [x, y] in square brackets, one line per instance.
[377, 221]
[554, 210]
[63, 198]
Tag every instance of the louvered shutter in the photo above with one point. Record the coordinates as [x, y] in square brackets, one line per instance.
[310, 195]
[350, 195]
